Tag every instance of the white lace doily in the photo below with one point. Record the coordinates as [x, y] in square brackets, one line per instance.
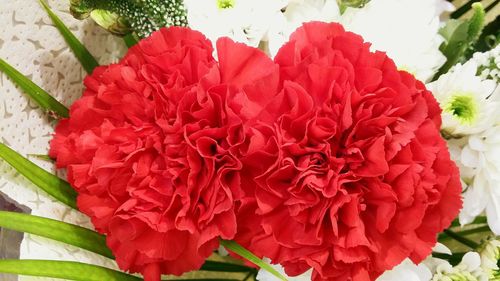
[30, 43]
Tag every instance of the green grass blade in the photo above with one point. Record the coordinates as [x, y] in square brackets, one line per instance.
[64, 269]
[56, 230]
[238, 249]
[39, 95]
[58, 188]
[82, 54]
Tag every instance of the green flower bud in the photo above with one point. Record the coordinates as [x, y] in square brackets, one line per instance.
[111, 22]
[140, 16]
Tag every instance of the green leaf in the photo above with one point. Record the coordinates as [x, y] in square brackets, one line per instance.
[238, 249]
[84, 238]
[460, 35]
[40, 96]
[64, 269]
[130, 39]
[82, 54]
[56, 230]
[58, 188]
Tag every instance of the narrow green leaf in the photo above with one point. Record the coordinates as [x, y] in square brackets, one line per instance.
[64, 269]
[84, 238]
[56, 230]
[238, 249]
[39, 95]
[82, 54]
[58, 188]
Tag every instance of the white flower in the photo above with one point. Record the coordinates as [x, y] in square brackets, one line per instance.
[296, 13]
[406, 29]
[478, 157]
[264, 275]
[468, 102]
[407, 271]
[490, 256]
[245, 21]
[489, 64]
[469, 269]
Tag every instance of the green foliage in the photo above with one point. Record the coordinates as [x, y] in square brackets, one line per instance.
[459, 36]
[344, 4]
[84, 238]
[58, 188]
[60, 231]
[64, 269]
[82, 54]
[40, 96]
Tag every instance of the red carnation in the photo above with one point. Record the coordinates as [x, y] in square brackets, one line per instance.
[152, 145]
[346, 171]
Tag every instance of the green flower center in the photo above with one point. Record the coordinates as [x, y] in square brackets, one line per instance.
[225, 4]
[464, 107]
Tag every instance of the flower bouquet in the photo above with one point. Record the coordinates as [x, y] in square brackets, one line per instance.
[263, 140]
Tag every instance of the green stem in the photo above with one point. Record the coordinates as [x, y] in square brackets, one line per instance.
[250, 274]
[477, 220]
[463, 240]
[484, 228]
[454, 259]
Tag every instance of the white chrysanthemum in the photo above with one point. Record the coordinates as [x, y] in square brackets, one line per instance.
[296, 13]
[245, 21]
[478, 157]
[407, 271]
[468, 102]
[490, 256]
[469, 269]
[489, 64]
[406, 29]
[264, 275]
